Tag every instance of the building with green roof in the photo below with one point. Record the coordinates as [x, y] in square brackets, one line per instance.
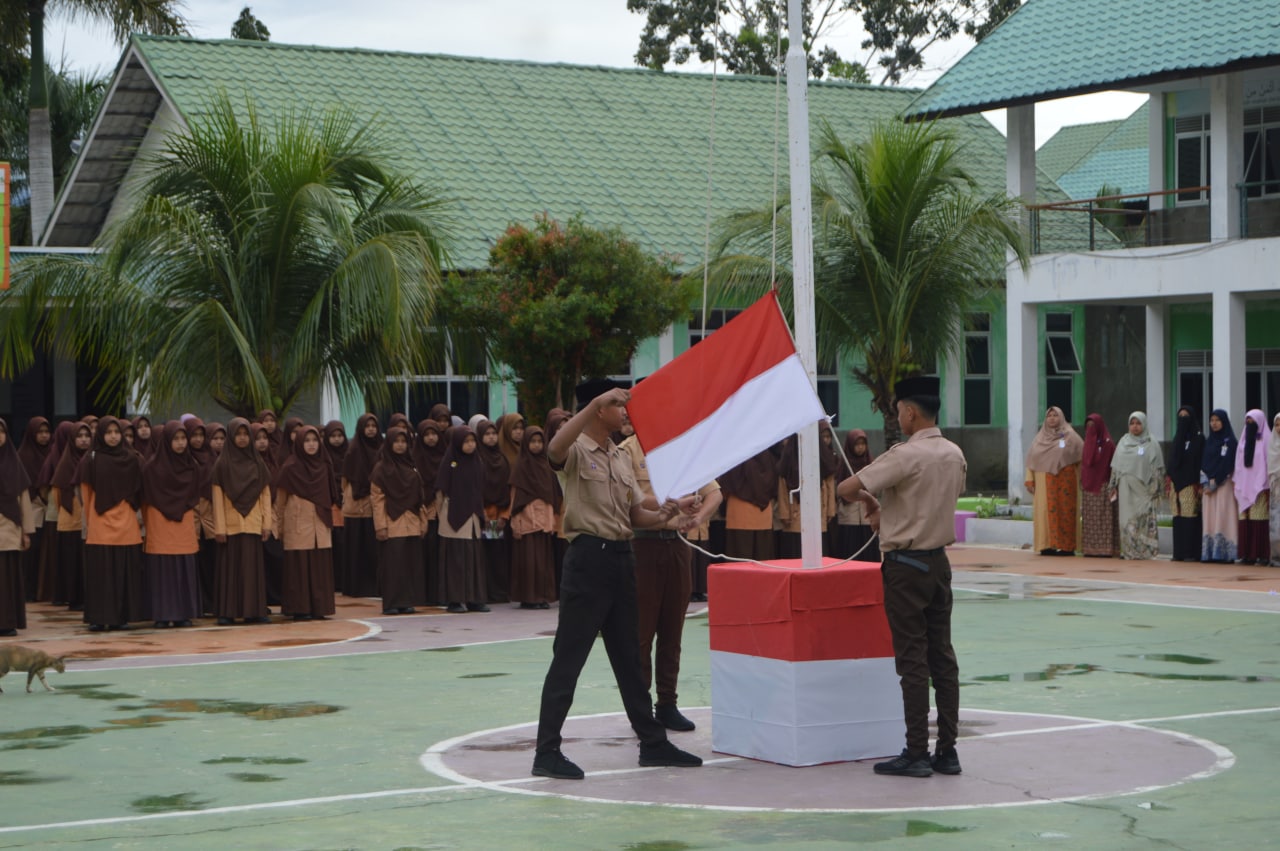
[1071, 144]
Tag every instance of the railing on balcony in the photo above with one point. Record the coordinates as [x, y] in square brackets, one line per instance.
[1259, 208]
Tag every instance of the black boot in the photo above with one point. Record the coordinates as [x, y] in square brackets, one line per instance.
[669, 716]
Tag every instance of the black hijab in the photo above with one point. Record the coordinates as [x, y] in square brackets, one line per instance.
[1187, 450]
[1218, 460]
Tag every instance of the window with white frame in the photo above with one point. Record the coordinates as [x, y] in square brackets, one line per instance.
[1191, 158]
[1195, 382]
[1262, 150]
[463, 384]
[1262, 380]
[716, 319]
[977, 369]
[1061, 362]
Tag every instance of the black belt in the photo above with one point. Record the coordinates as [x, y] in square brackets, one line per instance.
[656, 534]
[596, 542]
[911, 558]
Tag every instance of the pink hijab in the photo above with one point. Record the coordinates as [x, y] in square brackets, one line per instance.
[1252, 480]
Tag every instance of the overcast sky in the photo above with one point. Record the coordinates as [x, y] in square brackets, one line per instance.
[582, 32]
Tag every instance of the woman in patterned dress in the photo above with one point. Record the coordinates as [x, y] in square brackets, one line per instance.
[1218, 514]
[1137, 476]
[1053, 478]
[1099, 526]
[1184, 485]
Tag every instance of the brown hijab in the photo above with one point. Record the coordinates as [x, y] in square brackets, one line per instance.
[13, 479]
[336, 454]
[203, 456]
[275, 437]
[62, 438]
[65, 476]
[146, 448]
[114, 472]
[461, 479]
[241, 473]
[427, 458]
[506, 442]
[32, 454]
[210, 429]
[285, 448]
[856, 461]
[309, 477]
[497, 470]
[533, 477]
[361, 458]
[754, 480]
[396, 477]
[556, 417]
[171, 480]
[1055, 449]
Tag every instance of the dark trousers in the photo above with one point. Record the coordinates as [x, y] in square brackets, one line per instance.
[664, 581]
[918, 607]
[597, 595]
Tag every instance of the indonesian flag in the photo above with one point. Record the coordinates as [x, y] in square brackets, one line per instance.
[736, 393]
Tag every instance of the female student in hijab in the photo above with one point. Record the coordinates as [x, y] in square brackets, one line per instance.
[398, 496]
[271, 425]
[306, 494]
[442, 416]
[428, 452]
[1100, 524]
[200, 451]
[37, 440]
[335, 450]
[217, 438]
[536, 499]
[556, 418]
[1218, 514]
[750, 489]
[1137, 477]
[497, 512]
[272, 551]
[510, 434]
[68, 578]
[361, 576]
[110, 480]
[145, 440]
[1053, 478]
[459, 493]
[1253, 490]
[48, 569]
[788, 499]
[243, 518]
[170, 491]
[285, 449]
[852, 529]
[17, 525]
[1273, 474]
[1185, 453]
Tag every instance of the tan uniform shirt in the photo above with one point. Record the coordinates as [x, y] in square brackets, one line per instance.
[118, 527]
[352, 507]
[411, 524]
[919, 482]
[599, 490]
[228, 521]
[632, 447]
[298, 525]
[469, 530]
[10, 533]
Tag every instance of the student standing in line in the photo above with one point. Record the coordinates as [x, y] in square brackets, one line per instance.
[1218, 514]
[495, 540]
[1253, 490]
[1053, 478]
[510, 435]
[37, 440]
[272, 551]
[536, 500]
[398, 498]
[200, 452]
[1185, 452]
[335, 447]
[48, 569]
[285, 450]
[361, 576]
[110, 480]
[17, 525]
[170, 493]
[1137, 477]
[1273, 474]
[271, 425]
[145, 440]
[217, 439]
[1100, 519]
[787, 503]
[306, 494]
[68, 581]
[442, 416]
[853, 531]
[750, 489]
[242, 517]
[459, 494]
[428, 452]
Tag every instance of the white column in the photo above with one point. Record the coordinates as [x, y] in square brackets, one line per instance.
[1155, 147]
[1226, 155]
[952, 399]
[666, 347]
[1228, 353]
[1020, 153]
[1023, 347]
[330, 405]
[1158, 370]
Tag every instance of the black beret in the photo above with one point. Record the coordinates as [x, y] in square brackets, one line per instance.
[921, 385]
[593, 387]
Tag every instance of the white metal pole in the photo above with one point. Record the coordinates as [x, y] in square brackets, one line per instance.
[802, 275]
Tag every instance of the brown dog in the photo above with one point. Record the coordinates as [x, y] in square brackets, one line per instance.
[34, 662]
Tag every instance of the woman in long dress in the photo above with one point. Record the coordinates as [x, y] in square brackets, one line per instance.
[68, 576]
[1273, 473]
[853, 532]
[110, 480]
[496, 540]
[361, 576]
[170, 492]
[1185, 453]
[459, 493]
[1218, 515]
[241, 488]
[1253, 490]
[37, 441]
[1099, 524]
[398, 498]
[535, 501]
[1137, 477]
[17, 525]
[306, 493]
[1053, 478]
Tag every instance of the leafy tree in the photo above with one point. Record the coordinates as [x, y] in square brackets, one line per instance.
[249, 28]
[255, 259]
[22, 34]
[903, 245]
[896, 33]
[563, 302]
[74, 98]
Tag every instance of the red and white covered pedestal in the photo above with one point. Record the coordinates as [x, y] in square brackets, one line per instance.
[802, 663]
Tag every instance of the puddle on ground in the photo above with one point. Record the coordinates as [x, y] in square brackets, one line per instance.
[254, 760]
[442, 649]
[253, 777]
[1073, 615]
[141, 722]
[1173, 657]
[1140, 625]
[247, 709]
[289, 642]
[1050, 673]
[659, 845]
[501, 747]
[915, 827]
[168, 803]
[96, 691]
[26, 778]
[481, 676]
[1056, 671]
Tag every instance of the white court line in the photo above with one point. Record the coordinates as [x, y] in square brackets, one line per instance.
[1119, 585]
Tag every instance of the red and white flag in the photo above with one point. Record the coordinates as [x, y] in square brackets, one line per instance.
[739, 391]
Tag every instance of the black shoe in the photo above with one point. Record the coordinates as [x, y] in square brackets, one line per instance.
[906, 764]
[182, 623]
[297, 618]
[555, 765]
[408, 610]
[8, 633]
[668, 715]
[456, 609]
[257, 620]
[163, 624]
[97, 627]
[946, 762]
[697, 598]
[543, 605]
[477, 607]
[225, 621]
[528, 605]
[665, 753]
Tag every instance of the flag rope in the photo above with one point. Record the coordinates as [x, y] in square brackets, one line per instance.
[723, 557]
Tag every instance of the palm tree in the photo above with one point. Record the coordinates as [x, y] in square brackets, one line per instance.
[904, 246]
[123, 16]
[255, 260]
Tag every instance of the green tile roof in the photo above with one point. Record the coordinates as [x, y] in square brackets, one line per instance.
[1120, 161]
[1054, 48]
[509, 140]
[1070, 145]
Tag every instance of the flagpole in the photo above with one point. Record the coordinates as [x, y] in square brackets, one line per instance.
[797, 68]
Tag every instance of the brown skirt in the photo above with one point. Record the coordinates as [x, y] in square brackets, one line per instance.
[462, 575]
[115, 589]
[68, 574]
[749, 543]
[400, 573]
[174, 586]
[308, 583]
[48, 562]
[239, 579]
[31, 565]
[533, 568]
[361, 545]
[13, 598]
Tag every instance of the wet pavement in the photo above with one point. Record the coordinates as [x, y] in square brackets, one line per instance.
[1104, 705]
